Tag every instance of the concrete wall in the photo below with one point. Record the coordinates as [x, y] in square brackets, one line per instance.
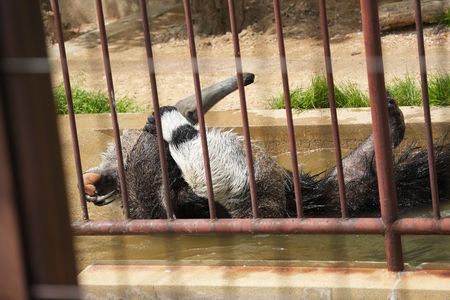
[199, 281]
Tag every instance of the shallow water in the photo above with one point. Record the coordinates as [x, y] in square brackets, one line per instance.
[279, 248]
[282, 247]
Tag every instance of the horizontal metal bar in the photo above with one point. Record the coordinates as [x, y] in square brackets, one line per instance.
[260, 226]
[422, 226]
[246, 226]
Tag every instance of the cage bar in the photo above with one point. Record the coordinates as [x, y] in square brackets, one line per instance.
[426, 110]
[72, 121]
[332, 102]
[288, 108]
[246, 129]
[155, 102]
[407, 226]
[112, 106]
[237, 226]
[382, 140]
[200, 114]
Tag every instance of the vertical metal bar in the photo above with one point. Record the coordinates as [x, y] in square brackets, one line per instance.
[37, 179]
[155, 101]
[73, 125]
[198, 97]
[332, 102]
[13, 284]
[287, 104]
[382, 141]
[426, 110]
[246, 130]
[112, 106]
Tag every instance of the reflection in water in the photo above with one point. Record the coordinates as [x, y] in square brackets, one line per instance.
[268, 248]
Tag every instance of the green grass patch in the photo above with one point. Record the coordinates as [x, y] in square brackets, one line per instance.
[406, 91]
[316, 96]
[90, 102]
[439, 90]
[445, 19]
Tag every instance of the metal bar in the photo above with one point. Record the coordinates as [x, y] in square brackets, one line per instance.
[13, 284]
[422, 226]
[112, 106]
[287, 104]
[68, 89]
[155, 101]
[332, 102]
[233, 226]
[426, 111]
[198, 97]
[246, 130]
[37, 177]
[382, 140]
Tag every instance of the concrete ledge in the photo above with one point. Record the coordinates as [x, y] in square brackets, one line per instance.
[260, 282]
[312, 127]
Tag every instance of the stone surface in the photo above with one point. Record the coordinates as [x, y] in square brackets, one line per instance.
[259, 282]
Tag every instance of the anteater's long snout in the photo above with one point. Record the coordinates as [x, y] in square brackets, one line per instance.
[211, 96]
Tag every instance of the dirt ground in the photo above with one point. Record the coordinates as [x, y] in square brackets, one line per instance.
[259, 52]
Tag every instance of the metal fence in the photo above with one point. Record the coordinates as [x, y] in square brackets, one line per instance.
[388, 225]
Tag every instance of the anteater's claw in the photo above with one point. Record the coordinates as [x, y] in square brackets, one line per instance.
[102, 199]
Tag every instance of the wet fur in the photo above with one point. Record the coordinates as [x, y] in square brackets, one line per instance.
[275, 192]
[228, 167]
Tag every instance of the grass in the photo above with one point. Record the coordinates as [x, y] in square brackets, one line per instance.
[316, 96]
[446, 19]
[439, 90]
[89, 102]
[406, 91]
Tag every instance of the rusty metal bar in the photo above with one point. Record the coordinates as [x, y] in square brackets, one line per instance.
[407, 226]
[198, 97]
[246, 130]
[112, 106]
[287, 104]
[68, 89]
[382, 140]
[33, 151]
[426, 110]
[332, 102]
[13, 284]
[422, 226]
[243, 226]
[155, 101]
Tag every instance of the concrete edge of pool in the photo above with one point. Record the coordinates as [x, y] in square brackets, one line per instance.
[130, 281]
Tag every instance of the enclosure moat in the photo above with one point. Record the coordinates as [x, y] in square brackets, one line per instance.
[242, 249]
[260, 249]
[226, 249]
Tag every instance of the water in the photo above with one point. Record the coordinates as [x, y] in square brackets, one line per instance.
[260, 249]
[268, 248]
